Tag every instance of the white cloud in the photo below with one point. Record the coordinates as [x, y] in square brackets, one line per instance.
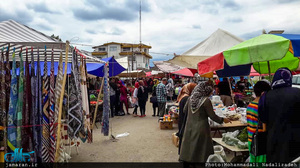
[170, 26]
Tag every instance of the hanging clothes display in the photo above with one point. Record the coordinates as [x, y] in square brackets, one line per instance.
[106, 103]
[20, 101]
[12, 130]
[85, 102]
[34, 112]
[75, 123]
[45, 119]
[52, 111]
[27, 110]
[2, 101]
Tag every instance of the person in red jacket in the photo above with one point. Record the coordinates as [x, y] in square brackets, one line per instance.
[123, 96]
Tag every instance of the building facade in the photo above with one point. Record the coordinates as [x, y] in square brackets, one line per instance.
[137, 54]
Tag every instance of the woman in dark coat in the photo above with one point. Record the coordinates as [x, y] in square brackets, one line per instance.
[142, 98]
[197, 143]
[279, 109]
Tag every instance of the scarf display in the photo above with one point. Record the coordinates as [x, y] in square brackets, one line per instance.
[85, 102]
[2, 101]
[282, 78]
[45, 120]
[199, 95]
[106, 103]
[12, 130]
[75, 123]
[20, 101]
[27, 110]
[30, 110]
[52, 116]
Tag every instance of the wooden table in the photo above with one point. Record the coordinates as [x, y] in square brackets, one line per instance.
[233, 124]
[231, 148]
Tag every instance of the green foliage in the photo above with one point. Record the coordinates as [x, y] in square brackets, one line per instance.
[56, 37]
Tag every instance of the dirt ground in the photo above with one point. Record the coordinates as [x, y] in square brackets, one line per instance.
[145, 142]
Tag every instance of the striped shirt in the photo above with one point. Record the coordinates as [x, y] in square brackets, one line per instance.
[252, 119]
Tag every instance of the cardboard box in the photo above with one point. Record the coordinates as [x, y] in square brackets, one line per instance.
[175, 118]
[175, 139]
[166, 124]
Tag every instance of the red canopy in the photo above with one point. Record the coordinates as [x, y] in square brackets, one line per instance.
[186, 72]
[148, 74]
[211, 64]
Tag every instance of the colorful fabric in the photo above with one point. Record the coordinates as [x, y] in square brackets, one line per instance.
[161, 93]
[34, 112]
[52, 112]
[27, 110]
[106, 103]
[2, 100]
[199, 95]
[20, 101]
[12, 112]
[85, 102]
[75, 123]
[256, 159]
[45, 120]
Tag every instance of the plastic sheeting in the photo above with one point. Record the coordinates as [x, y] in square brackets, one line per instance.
[185, 72]
[295, 39]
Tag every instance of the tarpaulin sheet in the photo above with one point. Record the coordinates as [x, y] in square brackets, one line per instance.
[241, 70]
[295, 39]
[186, 72]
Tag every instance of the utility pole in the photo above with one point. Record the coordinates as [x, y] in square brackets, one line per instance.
[140, 25]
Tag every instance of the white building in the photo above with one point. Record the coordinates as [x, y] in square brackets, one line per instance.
[137, 55]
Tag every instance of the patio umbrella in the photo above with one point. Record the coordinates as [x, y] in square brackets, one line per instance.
[267, 52]
[186, 72]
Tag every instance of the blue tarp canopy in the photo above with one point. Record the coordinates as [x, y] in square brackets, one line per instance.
[92, 68]
[97, 68]
[228, 71]
[295, 39]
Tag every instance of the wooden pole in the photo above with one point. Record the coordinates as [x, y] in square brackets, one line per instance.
[269, 69]
[58, 135]
[230, 91]
[96, 108]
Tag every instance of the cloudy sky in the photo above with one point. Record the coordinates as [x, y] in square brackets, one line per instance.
[169, 26]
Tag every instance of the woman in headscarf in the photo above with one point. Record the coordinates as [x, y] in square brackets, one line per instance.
[183, 96]
[123, 96]
[197, 143]
[170, 89]
[155, 103]
[135, 99]
[142, 98]
[279, 110]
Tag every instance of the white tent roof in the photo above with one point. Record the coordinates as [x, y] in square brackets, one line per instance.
[166, 67]
[217, 42]
[123, 62]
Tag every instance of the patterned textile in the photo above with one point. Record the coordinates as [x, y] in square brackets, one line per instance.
[75, 123]
[6, 92]
[12, 130]
[85, 102]
[199, 95]
[58, 87]
[39, 111]
[45, 120]
[20, 101]
[161, 93]
[106, 103]
[34, 112]
[252, 119]
[27, 110]
[2, 100]
[52, 114]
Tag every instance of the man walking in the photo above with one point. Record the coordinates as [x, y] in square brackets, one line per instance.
[161, 94]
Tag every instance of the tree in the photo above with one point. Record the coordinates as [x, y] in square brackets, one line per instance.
[56, 37]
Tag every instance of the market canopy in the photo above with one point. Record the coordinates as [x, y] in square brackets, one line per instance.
[218, 63]
[295, 39]
[267, 52]
[186, 72]
[167, 67]
[217, 42]
[134, 74]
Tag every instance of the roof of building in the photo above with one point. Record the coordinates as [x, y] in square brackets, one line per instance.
[124, 45]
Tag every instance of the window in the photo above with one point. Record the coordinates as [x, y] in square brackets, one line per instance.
[298, 81]
[129, 58]
[101, 49]
[294, 80]
[126, 49]
[113, 48]
[145, 50]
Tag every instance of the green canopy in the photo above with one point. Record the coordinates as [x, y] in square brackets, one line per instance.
[262, 48]
[289, 61]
